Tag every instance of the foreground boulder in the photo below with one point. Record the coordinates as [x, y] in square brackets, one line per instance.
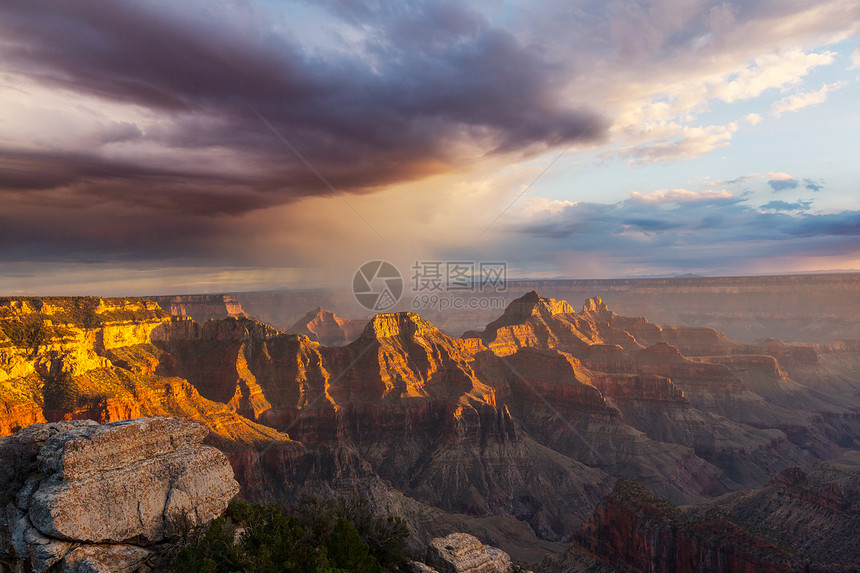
[81, 496]
[464, 553]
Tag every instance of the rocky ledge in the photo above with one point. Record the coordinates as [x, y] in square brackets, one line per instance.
[81, 496]
[463, 553]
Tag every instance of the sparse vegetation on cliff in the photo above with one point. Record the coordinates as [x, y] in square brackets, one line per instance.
[633, 492]
[84, 312]
[322, 536]
[27, 331]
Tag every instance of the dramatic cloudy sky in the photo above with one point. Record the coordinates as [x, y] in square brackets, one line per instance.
[162, 146]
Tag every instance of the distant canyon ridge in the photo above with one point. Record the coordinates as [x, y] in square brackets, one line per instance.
[798, 308]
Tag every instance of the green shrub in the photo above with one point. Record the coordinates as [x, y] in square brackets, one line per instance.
[348, 551]
[82, 311]
[216, 544]
[320, 539]
[385, 535]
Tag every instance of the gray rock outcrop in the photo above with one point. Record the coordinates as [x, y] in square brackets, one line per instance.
[80, 496]
[464, 553]
[418, 567]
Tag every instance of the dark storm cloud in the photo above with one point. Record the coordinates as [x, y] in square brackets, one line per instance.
[81, 180]
[433, 74]
[429, 80]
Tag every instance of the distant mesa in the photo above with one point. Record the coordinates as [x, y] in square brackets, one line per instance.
[327, 328]
[530, 306]
[595, 306]
[201, 307]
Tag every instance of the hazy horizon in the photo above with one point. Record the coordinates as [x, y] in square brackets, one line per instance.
[138, 291]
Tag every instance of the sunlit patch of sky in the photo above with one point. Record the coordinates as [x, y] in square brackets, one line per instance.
[819, 142]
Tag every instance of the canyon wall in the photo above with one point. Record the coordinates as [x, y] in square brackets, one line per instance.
[803, 520]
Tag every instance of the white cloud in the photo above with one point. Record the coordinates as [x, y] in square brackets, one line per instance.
[780, 176]
[662, 196]
[654, 117]
[743, 179]
[716, 235]
[804, 99]
[774, 70]
[781, 181]
[855, 58]
[674, 142]
[533, 206]
[664, 65]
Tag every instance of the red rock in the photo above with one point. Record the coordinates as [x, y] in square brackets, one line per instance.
[327, 328]
[201, 307]
[633, 530]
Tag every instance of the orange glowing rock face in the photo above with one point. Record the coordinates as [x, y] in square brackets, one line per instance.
[527, 422]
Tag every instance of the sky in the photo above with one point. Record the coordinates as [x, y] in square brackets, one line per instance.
[167, 147]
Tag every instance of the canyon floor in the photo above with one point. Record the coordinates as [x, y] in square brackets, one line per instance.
[584, 439]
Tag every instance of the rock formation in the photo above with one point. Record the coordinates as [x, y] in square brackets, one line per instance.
[464, 553]
[803, 520]
[85, 358]
[327, 328]
[201, 307]
[96, 497]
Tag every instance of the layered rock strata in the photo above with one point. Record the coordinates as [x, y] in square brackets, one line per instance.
[464, 553]
[80, 492]
[327, 328]
[804, 520]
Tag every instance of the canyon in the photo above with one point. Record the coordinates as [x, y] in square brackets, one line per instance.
[539, 433]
